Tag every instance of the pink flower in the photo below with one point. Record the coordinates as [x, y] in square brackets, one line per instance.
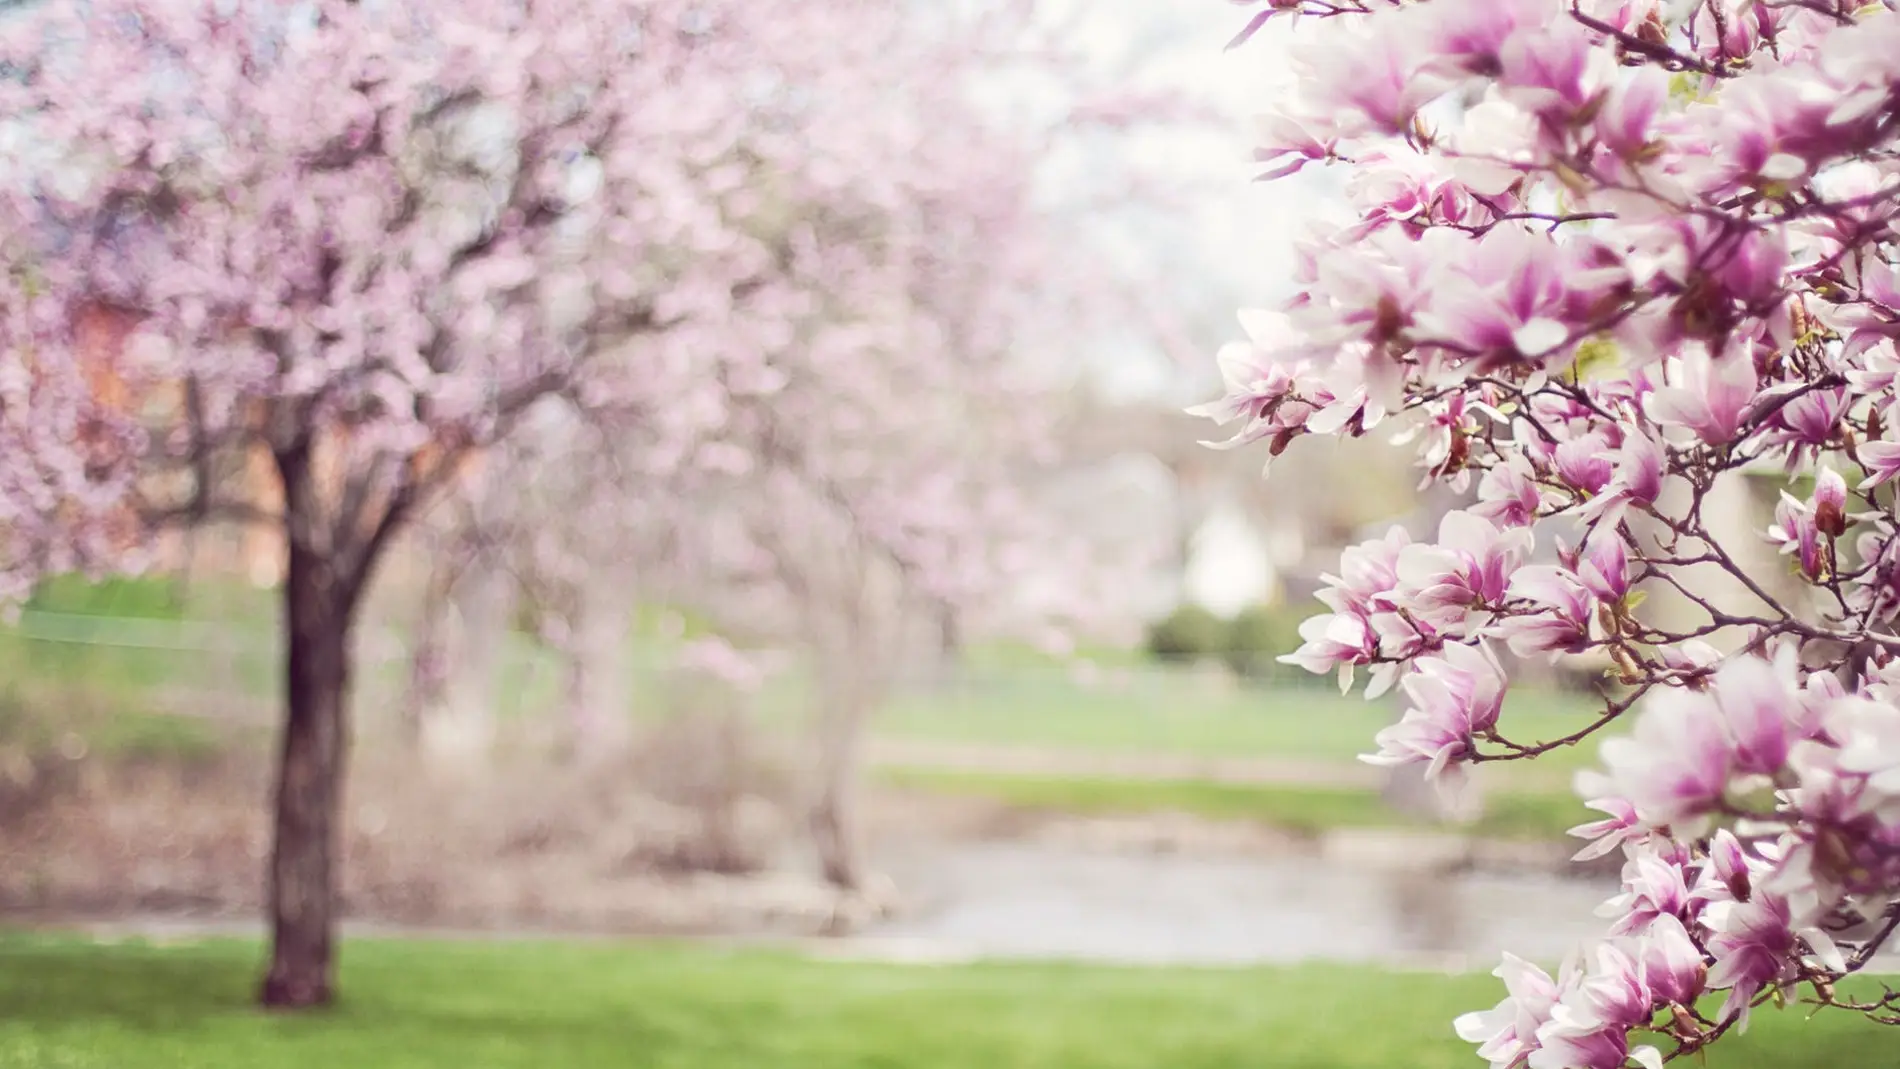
[1289, 146]
[1870, 734]
[1754, 945]
[1468, 568]
[1261, 385]
[1675, 766]
[1618, 826]
[1512, 300]
[1562, 610]
[1367, 571]
[1507, 1033]
[1710, 399]
[1604, 567]
[1637, 480]
[1760, 708]
[1455, 696]
[1474, 32]
[1381, 75]
[1335, 641]
[1652, 887]
[1543, 71]
[1882, 461]
[1589, 1027]
[1797, 532]
[1727, 875]
[1508, 497]
[1585, 463]
[1624, 122]
[1672, 964]
[1806, 424]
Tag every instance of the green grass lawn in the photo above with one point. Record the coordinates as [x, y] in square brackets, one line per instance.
[1172, 712]
[71, 1005]
[1526, 815]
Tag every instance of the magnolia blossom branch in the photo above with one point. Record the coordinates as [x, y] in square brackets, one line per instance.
[1640, 255]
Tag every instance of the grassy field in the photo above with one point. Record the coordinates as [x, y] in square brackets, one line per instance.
[107, 660]
[1524, 815]
[71, 1005]
[1171, 712]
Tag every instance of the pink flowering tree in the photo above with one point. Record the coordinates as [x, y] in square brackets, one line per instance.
[856, 447]
[364, 241]
[1607, 258]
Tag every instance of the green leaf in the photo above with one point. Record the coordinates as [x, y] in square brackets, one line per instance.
[1597, 358]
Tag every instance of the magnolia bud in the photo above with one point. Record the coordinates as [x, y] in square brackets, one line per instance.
[1685, 1022]
[1830, 503]
[1624, 662]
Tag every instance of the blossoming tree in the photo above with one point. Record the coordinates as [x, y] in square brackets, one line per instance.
[1608, 257]
[859, 441]
[364, 239]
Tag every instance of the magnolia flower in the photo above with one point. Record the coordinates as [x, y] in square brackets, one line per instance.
[1675, 766]
[1368, 570]
[1710, 398]
[1871, 743]
[1559, 623]
[1637, 480]
[1760, 708]
[1604, 566]
[1513, 298]
[1590, 1024]
[1377, 79]
[1585, 463]
[1805, 424]
[1455, 696]
[1334, 642]
[1507, 1033]
[1652, 887]
[1881, 458]
[1753, 945]
[1260, 385]
[1619, 826]
[1287, 145]
[1830, 503]
[1797, 531]
[1624, 122]
[1672, 964]
[1467, 569]
[1508, 497]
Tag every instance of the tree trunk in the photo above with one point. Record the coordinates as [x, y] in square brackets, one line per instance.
[597, 691]
[318, 603]
[429, 663]
[834, 817]
[459, 730]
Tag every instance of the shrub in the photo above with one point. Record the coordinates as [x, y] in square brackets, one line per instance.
[1187, 634]
[1259, 635]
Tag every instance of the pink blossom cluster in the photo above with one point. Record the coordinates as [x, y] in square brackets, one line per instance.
[1609, 258]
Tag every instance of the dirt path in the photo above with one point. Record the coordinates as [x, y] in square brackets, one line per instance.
[1025, 760]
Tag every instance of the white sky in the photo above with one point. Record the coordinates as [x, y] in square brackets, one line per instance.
[1233, 248]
